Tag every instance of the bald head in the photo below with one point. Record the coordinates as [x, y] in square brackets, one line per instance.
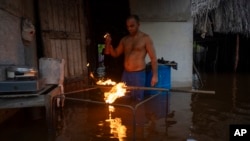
[133, 24]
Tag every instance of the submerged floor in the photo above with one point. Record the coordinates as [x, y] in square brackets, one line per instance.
[198, 116]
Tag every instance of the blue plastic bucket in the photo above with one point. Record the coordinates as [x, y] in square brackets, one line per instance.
[164, 77]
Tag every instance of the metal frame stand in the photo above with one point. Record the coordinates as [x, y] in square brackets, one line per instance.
[133, 109]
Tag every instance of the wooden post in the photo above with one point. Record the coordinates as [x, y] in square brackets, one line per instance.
[237, 52]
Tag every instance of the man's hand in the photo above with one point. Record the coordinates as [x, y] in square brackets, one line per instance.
[154, 80]
[108, 39]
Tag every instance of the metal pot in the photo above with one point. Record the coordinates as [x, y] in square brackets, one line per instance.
[23, 71]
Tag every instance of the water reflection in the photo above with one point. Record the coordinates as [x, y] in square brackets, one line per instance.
[82, 121]
[116, 128]
[200, 116]
[87, 121]
[69, 126]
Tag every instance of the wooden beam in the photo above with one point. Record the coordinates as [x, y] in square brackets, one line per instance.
[62, 35]
[162, 89]
[237, 52]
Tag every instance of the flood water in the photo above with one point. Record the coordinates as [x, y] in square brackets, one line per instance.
[202, 117]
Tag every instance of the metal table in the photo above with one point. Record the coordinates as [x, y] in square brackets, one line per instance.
[42, 98]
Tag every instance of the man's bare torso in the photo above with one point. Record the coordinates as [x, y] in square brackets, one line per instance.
[134, 52]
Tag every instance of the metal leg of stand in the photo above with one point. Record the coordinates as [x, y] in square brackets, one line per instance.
[49, 111]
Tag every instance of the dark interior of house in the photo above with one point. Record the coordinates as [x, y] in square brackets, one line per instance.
[219, 53]
[109, 17]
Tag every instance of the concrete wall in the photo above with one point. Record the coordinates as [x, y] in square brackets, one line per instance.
[174, 42]
[169, 24]
[12, 49]
[161, 10]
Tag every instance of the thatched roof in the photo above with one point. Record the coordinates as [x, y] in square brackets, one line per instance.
[199, 7]
[223, 16]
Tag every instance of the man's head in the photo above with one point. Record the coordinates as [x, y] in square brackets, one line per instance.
[133, 23]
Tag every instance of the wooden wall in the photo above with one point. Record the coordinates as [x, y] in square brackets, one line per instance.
[64, 36]
[62, 29]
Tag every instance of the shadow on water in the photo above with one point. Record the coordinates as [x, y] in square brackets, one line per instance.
[198, 116]
[212, 114]
[24, 126]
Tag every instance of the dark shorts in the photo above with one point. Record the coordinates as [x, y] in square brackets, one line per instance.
[136, 78]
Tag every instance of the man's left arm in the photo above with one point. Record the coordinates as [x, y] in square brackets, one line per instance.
[151, 52]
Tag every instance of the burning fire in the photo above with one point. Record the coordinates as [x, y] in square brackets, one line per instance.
[107, 82]
[116, 91]
[101, 82]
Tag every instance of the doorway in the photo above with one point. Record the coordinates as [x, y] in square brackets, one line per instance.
[109, 16]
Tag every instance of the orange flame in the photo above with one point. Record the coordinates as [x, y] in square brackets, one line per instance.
[107, 82]
[116, 91]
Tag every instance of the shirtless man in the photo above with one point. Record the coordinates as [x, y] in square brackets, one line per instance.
[135, 47]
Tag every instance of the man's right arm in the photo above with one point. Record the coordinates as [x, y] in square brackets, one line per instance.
[115, 52]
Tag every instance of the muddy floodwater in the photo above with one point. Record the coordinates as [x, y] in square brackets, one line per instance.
[201, 117]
